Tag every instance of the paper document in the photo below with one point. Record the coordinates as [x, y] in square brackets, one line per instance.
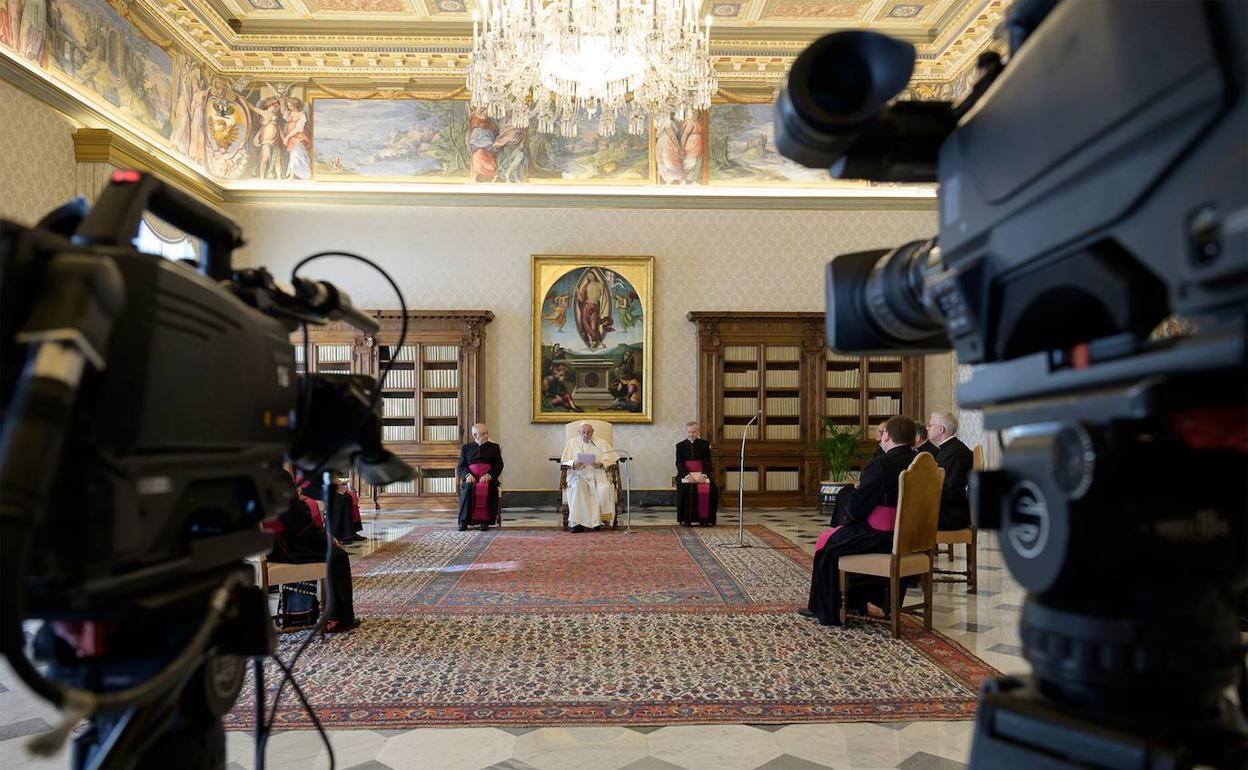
[587, 458]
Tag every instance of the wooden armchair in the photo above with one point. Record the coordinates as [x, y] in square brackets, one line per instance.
[914, 542]
[602, 432]
[969, 537]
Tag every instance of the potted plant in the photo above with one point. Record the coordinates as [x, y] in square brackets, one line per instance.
[838, 447]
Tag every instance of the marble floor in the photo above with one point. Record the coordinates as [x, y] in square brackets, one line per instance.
[986, 623]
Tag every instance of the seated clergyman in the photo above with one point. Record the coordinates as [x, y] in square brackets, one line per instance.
[591, 495]
[697, 497]
[479, 469]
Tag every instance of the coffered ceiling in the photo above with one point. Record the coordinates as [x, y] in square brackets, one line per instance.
[414, 44]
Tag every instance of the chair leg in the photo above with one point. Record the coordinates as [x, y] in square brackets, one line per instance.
[927, 599]
[844, 611]
[972, 557]
[894, 602]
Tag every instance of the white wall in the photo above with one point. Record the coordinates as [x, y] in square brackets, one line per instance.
[479, 258]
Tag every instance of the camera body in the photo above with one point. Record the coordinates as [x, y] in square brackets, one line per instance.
[1092, 187]
[149, 409]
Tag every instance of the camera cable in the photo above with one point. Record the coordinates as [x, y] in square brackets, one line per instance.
[264, 729]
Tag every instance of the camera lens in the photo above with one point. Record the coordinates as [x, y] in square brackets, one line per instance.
[893, 293]
[836, 86]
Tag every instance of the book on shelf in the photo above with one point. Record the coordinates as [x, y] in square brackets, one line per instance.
[400, 488]
[406, 354]
[738, 353]
[400, 379]
[783, 432]
[741, 379]
[782, 481]
[442, 407]
[783, 406]
[441, 378]
[398, 432]
[783, 378]
[843, 378]
[784, 353]
[841, 358]
[884, 380]
[740, 406]
[737, 431]
[442, 433]
[441, 353]
[840, 407]
[398, 407]
[884, 405]
[333, 354]
[734, 481]
[438, 485]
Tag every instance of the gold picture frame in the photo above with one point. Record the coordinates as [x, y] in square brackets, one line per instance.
[589, 361]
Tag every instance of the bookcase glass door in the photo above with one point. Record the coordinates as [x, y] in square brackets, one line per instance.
[430, 397]
[439, 383]
[741, 391]
[782, 394]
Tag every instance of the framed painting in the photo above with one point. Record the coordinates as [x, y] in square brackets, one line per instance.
[593, 338]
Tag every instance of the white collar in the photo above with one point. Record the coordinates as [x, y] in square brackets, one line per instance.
[946, 441]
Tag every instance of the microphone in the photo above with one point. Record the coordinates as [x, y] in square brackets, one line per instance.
[628, 487]
[326, 299]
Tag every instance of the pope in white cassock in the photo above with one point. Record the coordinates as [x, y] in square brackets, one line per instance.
[591, 495]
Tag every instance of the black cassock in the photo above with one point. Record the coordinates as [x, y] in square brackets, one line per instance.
[471, 453]
[877, 486]
[687, 503]
[301, 541]
[957, 460]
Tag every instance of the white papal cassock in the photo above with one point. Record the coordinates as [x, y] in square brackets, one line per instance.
[591, 495]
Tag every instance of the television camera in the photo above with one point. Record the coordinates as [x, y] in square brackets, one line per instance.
[1091, 187]
[149, 406]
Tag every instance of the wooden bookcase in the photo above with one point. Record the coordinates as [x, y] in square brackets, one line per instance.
[430, 400]
[779, 363]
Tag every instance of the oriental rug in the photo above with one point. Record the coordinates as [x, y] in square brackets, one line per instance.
[533, 627]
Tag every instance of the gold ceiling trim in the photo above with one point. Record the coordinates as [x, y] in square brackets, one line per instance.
[764, 50]
[704, 199]
[103, 145]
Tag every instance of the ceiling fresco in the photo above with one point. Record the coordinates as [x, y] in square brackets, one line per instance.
[406, 43]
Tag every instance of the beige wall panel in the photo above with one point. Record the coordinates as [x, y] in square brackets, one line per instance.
[37, 171]
[479, 258]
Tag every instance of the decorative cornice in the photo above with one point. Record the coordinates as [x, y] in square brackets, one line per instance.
[397, 49]
[107, 140]
[103, 145]
[459, 196]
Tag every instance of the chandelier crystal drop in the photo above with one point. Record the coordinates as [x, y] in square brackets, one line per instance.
[550, 64]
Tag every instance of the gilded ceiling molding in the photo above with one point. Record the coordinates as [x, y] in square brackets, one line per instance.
[557, 198]
[102, 145]
[390, 47]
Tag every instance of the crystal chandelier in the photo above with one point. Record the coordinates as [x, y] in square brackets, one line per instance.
[551, 63]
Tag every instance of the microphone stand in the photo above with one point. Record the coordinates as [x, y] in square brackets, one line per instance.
[741, 490]
[628, 487]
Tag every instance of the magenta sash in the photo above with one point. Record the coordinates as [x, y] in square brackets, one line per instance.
[481, 492]
[704, 490]
[882, 519]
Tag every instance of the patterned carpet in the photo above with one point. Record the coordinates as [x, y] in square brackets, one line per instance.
[529, 627]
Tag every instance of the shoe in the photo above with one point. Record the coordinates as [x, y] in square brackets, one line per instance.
[807, 613]
[463, 527]
[334, 627]
[577, 528]
[484, 527]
